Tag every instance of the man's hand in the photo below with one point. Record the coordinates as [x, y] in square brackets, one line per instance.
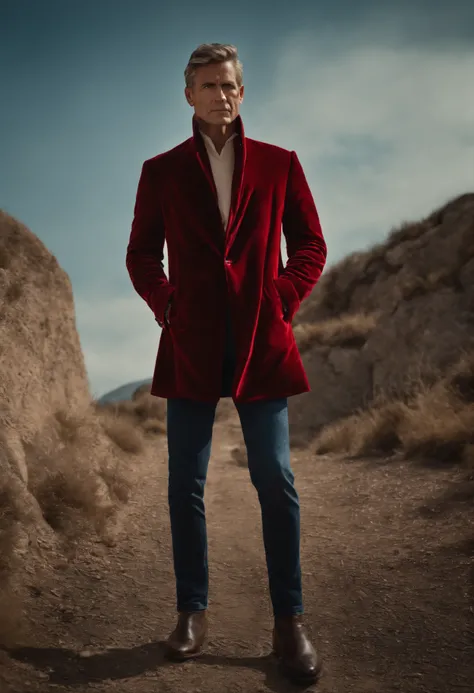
[167, 312]
[285, 309]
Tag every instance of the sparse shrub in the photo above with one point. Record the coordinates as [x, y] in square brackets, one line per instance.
[337, 436]
[148, 407]
[461, 378]
[145, 411]
[140, 391]
[62, 492]
[418, 285]
[117, 484]
[77, 483]
[435, 424]
[379, 433]
[374, 431]
[438, 433]
[154, 426]
[350, 331]
[123, 433]
[407, 231]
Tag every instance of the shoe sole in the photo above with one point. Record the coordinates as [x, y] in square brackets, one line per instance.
[177, 657]
[298, 678]
[172, 657]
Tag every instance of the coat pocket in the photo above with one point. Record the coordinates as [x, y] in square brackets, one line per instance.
[173, 314]
[280, 302]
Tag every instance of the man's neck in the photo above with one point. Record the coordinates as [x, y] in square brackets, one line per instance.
[219, 134]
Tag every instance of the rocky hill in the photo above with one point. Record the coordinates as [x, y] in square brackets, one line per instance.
[386, 323]
[62, 463]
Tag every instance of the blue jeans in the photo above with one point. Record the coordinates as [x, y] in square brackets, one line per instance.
[266, 434]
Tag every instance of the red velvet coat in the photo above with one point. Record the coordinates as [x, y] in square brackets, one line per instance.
[239, 269]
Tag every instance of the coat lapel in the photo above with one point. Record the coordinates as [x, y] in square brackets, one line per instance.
[240, 152]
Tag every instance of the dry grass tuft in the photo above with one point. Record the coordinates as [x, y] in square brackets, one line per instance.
[350, 331]
[438, 433]
[121, 431]
[154, 426]
[148, 407]
[76, 498]
[126, 420]
[117, 485]
[65, 495]
[460, 378]
[436, 424]
[144, 389]
[76, 477]
[370, 432]
[406, 231]
[418, 285]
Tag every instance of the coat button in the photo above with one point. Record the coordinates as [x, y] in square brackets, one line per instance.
[228, 262]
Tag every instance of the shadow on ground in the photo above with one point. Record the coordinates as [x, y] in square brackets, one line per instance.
[68, 668]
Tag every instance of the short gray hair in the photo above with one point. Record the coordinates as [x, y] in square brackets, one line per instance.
[208, 53]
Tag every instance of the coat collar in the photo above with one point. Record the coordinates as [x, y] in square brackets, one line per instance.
[198, 139]
[240, 151]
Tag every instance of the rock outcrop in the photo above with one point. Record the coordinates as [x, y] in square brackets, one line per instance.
[382, 321]
[60, 470]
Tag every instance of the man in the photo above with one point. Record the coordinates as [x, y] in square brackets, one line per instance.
[220, 200]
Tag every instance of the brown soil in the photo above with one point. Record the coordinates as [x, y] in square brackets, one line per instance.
[387, 555]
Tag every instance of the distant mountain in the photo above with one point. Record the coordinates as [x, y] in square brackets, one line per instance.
[123, 392]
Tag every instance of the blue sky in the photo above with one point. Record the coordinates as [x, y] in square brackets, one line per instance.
[376, 98]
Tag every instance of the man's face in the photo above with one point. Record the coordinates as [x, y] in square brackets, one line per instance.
[215, 95]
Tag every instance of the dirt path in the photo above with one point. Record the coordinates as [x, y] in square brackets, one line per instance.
[388, 577]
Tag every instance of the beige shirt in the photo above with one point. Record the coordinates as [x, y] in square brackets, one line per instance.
[222, 166]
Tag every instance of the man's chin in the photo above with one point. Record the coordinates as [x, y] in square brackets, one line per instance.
[217, 117]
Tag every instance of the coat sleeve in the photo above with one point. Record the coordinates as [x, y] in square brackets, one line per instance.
[144, 258]
[306, 247]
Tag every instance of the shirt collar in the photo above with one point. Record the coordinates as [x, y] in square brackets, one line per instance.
[211, 143]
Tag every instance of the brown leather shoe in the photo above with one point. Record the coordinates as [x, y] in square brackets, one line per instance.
[188, 637]
[294, 650]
